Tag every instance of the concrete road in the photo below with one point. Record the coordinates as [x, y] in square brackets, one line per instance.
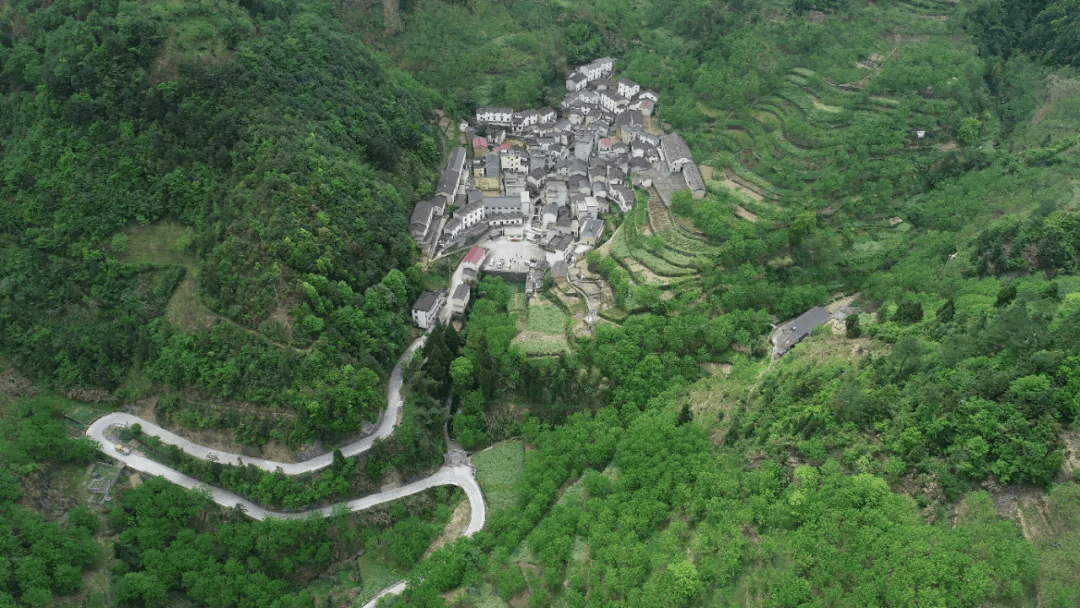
[394, 589]
[460, 476]
[385, 428]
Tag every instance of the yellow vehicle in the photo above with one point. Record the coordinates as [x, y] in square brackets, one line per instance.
[120, 448]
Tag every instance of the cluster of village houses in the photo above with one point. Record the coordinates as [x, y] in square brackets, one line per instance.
[530, 174]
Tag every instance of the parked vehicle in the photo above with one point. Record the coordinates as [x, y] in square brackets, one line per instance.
[120, 448]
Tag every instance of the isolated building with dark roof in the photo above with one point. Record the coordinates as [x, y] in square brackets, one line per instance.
[789, 334]
[425, 312]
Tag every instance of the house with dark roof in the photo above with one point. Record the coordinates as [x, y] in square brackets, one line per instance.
[622, 195]
[536, 178]
[591, 231]
[676, 152]
[789, 334]
[513, 185]
[492, 166]
[504, 117]
[460, 299]
[425, 312]
[576, 81]
[503, 205]
[420, 222]
[627, 88]
[694, 181]
[450, 178]
[637, 165]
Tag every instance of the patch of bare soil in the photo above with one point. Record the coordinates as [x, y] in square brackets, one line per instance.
[659, 220]
[836, 305]
[1072, 454]
[949, 146]
[223, 439]
[145, 409]
[570, 300]
[13, 384]
[717, 368]
[1026, 505]
[1033, 514]
[391, 480]
[1058, 89]
[282, 318]
[522, 599]
[459, 520]
[532, 334]
[731, 184]
[135, 480]
[746, 215]
[87, 395]
[926, 485]
[391, 18]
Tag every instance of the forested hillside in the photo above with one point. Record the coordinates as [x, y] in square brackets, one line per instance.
[288, 154]
[205, 220]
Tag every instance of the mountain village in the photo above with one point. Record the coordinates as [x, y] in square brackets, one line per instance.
[532, 190]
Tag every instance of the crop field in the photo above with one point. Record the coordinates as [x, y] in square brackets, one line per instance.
[546, 318]
[498, 470]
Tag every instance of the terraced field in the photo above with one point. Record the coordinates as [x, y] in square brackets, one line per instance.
[800, 140]
[667, 258]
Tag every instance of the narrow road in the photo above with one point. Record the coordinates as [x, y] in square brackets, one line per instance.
[385, 428]
[461, 476]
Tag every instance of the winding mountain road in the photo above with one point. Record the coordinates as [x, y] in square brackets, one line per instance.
[461, 475]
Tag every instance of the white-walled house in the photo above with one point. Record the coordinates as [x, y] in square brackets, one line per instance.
[515, 159]
[551, 215]
[505, 205]
[627, 88]
[599, 68]
[460, 299]
[470, 215]
[495, 116]
[591, 231]
[474, 259]
[576, 81]
[425, 312]
[676, 152]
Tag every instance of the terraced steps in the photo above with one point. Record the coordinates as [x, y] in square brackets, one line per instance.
[942, 8]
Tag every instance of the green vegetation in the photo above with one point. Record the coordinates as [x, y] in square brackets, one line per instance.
[43, 558]
[498, 469]
[546, 319]
[208, 204]
[177, 223]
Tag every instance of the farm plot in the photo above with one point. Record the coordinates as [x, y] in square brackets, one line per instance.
[545, 330]
[498, 470]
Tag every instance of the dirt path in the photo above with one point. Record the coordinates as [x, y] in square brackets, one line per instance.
[459, 519]
[257, 334]
[659, 218]
[746, 215]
